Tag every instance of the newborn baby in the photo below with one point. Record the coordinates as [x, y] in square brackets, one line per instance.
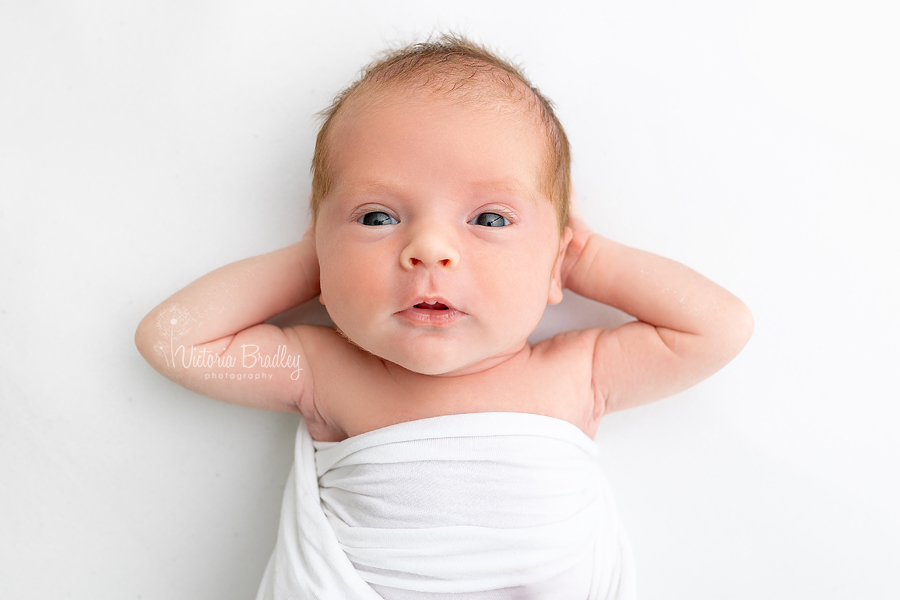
[440, 455]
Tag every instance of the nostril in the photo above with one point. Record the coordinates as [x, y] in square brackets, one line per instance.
[408, 260]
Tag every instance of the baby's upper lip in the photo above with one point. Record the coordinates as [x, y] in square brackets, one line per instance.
[435, 302]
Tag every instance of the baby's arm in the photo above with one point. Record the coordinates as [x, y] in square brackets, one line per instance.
[688, 327]
[209, 337]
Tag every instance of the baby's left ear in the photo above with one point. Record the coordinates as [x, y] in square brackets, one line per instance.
[556, 282]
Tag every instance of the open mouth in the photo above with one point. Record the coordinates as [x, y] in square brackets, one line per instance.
[432, 313]
[432, 306]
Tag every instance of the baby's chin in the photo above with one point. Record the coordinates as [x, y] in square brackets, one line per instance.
[448, 364]
[443, 370]
[424, 363]
[429, 365]
[437, 355]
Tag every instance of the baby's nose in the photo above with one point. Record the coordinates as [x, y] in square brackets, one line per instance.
[430, 247]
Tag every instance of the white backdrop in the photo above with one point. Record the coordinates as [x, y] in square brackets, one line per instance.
[143, 144]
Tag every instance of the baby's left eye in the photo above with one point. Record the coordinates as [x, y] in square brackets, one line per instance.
[377, 218]
[489, 219]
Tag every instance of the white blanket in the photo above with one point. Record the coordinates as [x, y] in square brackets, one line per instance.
[476, 506]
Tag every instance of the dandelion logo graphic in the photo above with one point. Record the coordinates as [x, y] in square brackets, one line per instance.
[172, 323]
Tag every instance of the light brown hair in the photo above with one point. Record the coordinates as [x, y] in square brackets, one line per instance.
[453, 66]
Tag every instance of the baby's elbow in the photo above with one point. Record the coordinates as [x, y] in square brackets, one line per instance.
[745, 323]
[144, 339]
[740, 327]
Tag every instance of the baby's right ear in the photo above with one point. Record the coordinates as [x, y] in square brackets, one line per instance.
[557, 277]
[311, 230]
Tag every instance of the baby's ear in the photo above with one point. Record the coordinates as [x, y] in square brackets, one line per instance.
[556, 283]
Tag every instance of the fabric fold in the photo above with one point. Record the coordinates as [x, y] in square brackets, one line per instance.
[483, 505]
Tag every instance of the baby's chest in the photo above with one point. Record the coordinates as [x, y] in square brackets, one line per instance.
[547, 390]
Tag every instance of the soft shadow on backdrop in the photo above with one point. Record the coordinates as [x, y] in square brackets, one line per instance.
[144, 144]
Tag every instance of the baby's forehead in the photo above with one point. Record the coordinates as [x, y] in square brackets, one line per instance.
[512, 104]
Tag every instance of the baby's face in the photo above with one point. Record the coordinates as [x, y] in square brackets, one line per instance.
[436, 245]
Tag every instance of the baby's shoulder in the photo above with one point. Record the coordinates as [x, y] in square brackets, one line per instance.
[332, 356]
[564, 360]
[325, 343]
[560, 379]
[338, 369]
[575, 345]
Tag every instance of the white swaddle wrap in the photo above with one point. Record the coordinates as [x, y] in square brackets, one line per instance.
[476, 506]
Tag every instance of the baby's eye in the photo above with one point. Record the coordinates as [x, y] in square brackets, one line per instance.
[489, 219]
[377, 218]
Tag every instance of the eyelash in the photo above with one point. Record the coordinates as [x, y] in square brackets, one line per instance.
[381, 222]
[506, 222]
[362, 218]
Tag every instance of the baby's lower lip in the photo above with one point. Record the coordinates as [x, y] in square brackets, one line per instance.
[431, 316]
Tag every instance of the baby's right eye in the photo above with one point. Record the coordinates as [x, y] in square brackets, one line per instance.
[377, 218]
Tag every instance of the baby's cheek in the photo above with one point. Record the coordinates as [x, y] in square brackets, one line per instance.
[335, 294]
[351, 286]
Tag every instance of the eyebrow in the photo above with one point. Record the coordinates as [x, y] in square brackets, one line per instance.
[369, 188]
[502, 186]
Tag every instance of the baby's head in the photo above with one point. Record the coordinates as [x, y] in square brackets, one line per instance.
[440, 197]
[457, 70]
